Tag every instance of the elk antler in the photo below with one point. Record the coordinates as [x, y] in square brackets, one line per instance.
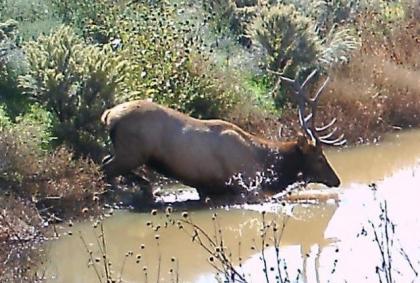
[308, 121]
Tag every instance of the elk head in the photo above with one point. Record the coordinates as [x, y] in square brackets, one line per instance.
[316, 167]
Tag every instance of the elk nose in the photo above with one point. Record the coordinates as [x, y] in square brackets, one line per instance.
[335, 183]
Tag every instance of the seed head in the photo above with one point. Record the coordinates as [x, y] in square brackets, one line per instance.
[169, 210]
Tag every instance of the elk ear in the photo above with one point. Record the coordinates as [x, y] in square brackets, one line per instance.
[302, 143]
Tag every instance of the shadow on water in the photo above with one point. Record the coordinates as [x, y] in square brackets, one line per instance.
[328, 240]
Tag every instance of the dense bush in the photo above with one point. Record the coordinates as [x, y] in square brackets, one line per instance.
[96, 20]
[231, 18]
[12, 64]
[76, 82]
[34, 17]
[384, 76]
[287, 37]
[54, 179]
[167, 64]
[22, 144]
[221, 13]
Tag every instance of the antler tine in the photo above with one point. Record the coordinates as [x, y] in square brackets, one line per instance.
[342, 142]
[325, 127]
[308, 79]
[286, 79]
[304, 120]
[308, 117]
[304, 101]
[313, 102]
[338, 141]
[330, 134]
[321, 89]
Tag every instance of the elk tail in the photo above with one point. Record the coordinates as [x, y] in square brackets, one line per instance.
[107, 120]
[105, 116]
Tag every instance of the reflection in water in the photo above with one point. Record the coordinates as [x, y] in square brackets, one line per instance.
[315, 235]
[369, 163]
[127, 231]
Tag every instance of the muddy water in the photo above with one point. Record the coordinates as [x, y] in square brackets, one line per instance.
[370, 163]
[329, 240]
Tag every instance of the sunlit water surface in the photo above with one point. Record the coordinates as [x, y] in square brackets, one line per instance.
[327, 241]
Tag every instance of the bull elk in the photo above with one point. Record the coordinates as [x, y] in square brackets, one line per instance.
[209, 154]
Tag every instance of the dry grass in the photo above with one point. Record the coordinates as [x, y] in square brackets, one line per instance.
[379, 89]
[38, 187]
[56, 182]
[376, 92]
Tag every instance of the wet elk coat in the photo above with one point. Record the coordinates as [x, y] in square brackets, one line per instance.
[207, 154]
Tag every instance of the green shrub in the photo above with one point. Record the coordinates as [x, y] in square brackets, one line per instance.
[34, 17]
[21, 145]
[245, 3]
[52, 178]
[260, 86]
[338, 47]
[4, 118]
[228, 18]
[168, 65]
[12, 64]
[222, 13]
[287, 37]
[76, 82]
[96, 20]
[56, 181]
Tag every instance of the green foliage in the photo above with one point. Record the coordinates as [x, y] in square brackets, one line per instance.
[338, 46]
[41, 121]
[96, 20]
[17, 143]
[221, 14]
[4, 118]
[261, 88]
[38, 175]
[34, 17]
[12, 64]
[27, 138]
[168, 65]
[231, 18]
[291, 43]
[76, 82]
[245, 3]
[287, 37]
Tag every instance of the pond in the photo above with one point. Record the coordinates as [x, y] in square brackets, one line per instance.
[332, 239]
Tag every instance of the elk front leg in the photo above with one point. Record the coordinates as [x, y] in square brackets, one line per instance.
[113, 166]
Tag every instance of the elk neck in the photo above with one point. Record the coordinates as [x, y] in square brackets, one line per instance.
[284, 161]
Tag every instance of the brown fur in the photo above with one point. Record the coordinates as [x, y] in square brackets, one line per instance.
[206, 154]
